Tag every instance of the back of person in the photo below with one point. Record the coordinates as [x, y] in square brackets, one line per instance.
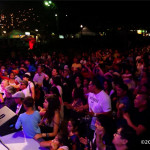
[29, 120]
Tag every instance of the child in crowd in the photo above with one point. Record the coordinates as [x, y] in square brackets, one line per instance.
[29, 120]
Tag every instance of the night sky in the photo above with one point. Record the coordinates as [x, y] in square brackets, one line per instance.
[94, 14]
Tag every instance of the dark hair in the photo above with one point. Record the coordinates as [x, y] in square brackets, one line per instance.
[129, 134]
[123, 86]
[28, 101]
[27, 76]
[55, 90]
[78, 93]
[57, 80]
[98, 81]
[74, 124]
[63, 139]
[109, 85]
[53, 105]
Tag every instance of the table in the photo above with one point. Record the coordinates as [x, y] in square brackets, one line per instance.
[17, 141]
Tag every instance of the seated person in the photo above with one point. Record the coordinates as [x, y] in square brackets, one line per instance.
[29, 120]
[51, 118]
[18, 106]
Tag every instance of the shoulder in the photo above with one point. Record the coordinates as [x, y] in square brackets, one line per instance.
[36, 112]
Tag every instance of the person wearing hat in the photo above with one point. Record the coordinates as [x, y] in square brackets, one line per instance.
[18, 107]
[30, 87]
[9, 91]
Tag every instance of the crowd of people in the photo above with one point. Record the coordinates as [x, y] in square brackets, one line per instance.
[95, 101]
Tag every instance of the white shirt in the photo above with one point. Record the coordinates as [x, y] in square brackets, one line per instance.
[18, 108]
[38, 79]
[98, 103]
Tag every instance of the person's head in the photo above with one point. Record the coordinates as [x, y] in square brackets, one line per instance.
[19, 97]
[77, 93]
[9, 91]
[96, 84]
[27, 62]
[27, 76]
[23, 84]
[125, 137]
[12, 75]
[4, 83]
[66, 72]
[144, 89]
[2, 69]
[39, 69]
[78, 79]
[51, 104]
[75, 60]
[85, 82]
[54, 72]
[107, 85]
[141, 101]
[61, 139]
[28, 102]
[122, 90]
[56, 80]
[54, 90]
[72, 126]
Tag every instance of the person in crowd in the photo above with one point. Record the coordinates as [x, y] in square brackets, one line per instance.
[56, 143]
[56, 81]
[2, 73]
[30, 87]
[124, 139]
[75, 64]
[54, 90]
[73, 134]
[77, 101]
[18, 106]
[12, 80]
[9, 91]
[69, 129]
[30, 67]
[39, 77]
[123, 103]
[138, 117]
[98, 102]
[4, 84]
[24, 89]
[50, 118]
[60, 142]
[17, 78]
[108, 87]
[29, 120]
[54, 74]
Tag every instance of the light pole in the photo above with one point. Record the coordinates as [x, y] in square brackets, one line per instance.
[57, 25]
[81, 26]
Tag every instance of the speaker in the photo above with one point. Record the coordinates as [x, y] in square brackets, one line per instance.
[7, 121]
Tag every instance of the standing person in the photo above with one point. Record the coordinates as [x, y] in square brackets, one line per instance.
[30, 67]
[30, 87]
[99, 102]
[123, 104]
[29, 120]
[39, 77]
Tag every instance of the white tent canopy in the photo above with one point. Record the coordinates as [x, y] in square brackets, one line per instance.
[86, 32]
